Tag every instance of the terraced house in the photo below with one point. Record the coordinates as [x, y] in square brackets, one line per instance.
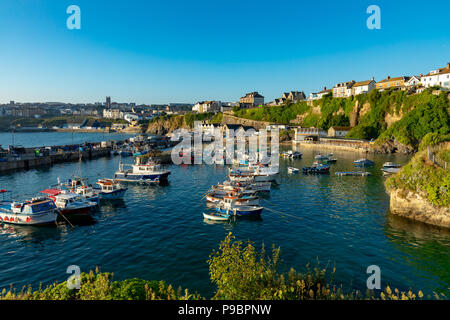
[439, 77]
[389, 83]
[251, 100]
[363, 87]
[343, 89]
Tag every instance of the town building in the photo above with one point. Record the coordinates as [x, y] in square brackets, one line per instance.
[207, 106]
[413, 81]
[251, 100]
[292, 96]
[304, 134]
[389, 83]
[112, 114]
[363, 87]
[338, 132]
[439, 77]
[108, 102]
[318, 95]
[343, 89]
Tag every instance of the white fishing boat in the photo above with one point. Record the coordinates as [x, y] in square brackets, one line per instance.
[81, 187]
[259, 173]
[36, 211]
[231, 207]
[216, 216]
[69, 203]
[139, 172]
[262, 186]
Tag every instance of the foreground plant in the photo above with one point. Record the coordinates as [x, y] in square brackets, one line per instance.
[239, 273]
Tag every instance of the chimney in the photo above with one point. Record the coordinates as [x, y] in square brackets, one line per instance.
[373, 78]
[388, 77]
[421, 75]
[324, 88]
[448, 65]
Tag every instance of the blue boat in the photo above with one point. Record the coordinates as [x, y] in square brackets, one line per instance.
[110, 189]
[363, 162]
[317, 168]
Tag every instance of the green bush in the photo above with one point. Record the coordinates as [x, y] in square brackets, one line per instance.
[420, 175]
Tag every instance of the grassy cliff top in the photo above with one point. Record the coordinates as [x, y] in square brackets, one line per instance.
[426, 173]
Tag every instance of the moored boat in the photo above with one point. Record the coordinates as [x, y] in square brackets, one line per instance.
[293, 170]
[145, 173]
[390, 168]
[317, 168]
[230, 206]
[69, 203]
[110, 189]
[81, 187]
[216, 216]
[36, 211]
[363, 162]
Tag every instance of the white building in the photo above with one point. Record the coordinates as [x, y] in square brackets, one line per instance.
[130, 117]
[343, 89]
[413, 81]
[318, 95]
[112, 114]
[363, 87]
[207, 106]
[303, 134]
[439, 77]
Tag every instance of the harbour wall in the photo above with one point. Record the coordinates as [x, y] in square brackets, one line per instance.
[30, 161]
[358, 148]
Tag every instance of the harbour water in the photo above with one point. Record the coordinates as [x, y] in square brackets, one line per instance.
[158, 232]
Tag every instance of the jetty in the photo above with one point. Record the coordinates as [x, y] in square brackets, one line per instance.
[353, 173]
[20, 158]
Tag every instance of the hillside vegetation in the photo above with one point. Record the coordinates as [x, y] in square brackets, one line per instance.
[373, 115]
[425, 176]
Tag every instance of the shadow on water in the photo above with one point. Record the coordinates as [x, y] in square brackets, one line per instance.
[425, 247]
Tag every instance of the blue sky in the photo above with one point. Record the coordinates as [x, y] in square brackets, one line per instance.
[187, 51]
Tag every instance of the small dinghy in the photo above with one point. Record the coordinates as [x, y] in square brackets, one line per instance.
[216, 216]
[363, 162]
[293, 170]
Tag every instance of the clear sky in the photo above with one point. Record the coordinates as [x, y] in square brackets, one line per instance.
[187, 51]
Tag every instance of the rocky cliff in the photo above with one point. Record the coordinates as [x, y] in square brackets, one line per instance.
[162, 126]
[228, 119]
[415, 206]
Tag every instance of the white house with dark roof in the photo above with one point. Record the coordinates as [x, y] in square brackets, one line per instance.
[413, 81]
[439, 77]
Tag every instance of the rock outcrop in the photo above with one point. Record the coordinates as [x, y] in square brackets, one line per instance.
[415, 206]
[393, 146]
[228, 119]
[163, 126]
